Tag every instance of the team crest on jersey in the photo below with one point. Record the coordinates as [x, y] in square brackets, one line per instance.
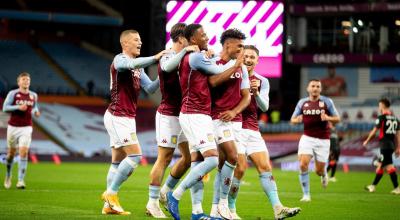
[174, 139]
[133, 136]
[306, 105]
[136, 73]
[18, 95]
[227, 133]
[210, 137]
[321, 104]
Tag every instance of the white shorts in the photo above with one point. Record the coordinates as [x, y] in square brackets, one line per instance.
[198, 129]
[168, 131]
[122, 130]
[319, 148]
[253, 142]
[19, 136]
[229, 131]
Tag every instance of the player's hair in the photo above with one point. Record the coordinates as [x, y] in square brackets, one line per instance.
[22, 75]
[126, 33]
[385, 102]
[232, 33]
[313, 80]
[190, 30]
[252, 47]
[178, 30]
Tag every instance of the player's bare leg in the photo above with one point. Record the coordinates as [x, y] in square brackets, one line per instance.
[262, 163]
[125, 169]
[304, 176]
[9, 162]
[22, 166]
[321, 171]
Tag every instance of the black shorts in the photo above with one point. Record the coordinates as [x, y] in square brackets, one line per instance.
[387, 156]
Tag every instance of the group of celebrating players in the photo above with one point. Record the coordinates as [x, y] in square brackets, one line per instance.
[209, 111]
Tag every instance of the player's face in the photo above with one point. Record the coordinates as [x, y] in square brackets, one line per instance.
[24, 82]
[200, 39]
[234, 47]
[314, 88]
[134, 44]
[381, 107]
[250, 59]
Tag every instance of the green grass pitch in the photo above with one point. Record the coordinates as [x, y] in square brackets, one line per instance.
[72, 191]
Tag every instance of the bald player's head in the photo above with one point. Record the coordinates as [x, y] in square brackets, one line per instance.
[130, 42]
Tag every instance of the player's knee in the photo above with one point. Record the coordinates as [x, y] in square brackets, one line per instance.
[379, 171]
[391, 170]
[303, 166]
[320, 172]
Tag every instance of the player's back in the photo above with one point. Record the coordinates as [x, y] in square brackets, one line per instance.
[196, 98]
[388, 126]
[171, 95]
[22, 118]
[125, 89]
[227, 95]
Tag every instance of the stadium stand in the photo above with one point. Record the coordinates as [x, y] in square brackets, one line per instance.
[81, 64]
[18, 56]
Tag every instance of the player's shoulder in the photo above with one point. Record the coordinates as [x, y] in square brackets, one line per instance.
[33, 93]
[262, 78]
[13, 92]
[168, 54]
[304, 100]
[325, 99]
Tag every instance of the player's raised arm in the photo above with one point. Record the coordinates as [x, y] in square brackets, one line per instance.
[262, 96]
[244, 101]
[221, 77]
[8, 106]
[123, 62]
[171, 63]
[146, 83]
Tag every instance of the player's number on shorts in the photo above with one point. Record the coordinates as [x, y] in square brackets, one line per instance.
[392, 125]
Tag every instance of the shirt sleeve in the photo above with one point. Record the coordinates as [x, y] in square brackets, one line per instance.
[146, 83]
[263, 98]
[245, 84]
[199, 61]
[170, 62]
[331, 107]
[378, 122]
[123, 62]
[36, 104]
[7, 105]
[297, 110]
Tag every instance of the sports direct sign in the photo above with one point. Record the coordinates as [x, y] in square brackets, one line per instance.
[261, 21]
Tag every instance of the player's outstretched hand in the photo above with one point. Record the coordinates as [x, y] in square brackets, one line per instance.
[365, 143]
[159, 55]
[397, 152]
[227, 115]
[23, 107]
[37, 114]
[192, 48]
